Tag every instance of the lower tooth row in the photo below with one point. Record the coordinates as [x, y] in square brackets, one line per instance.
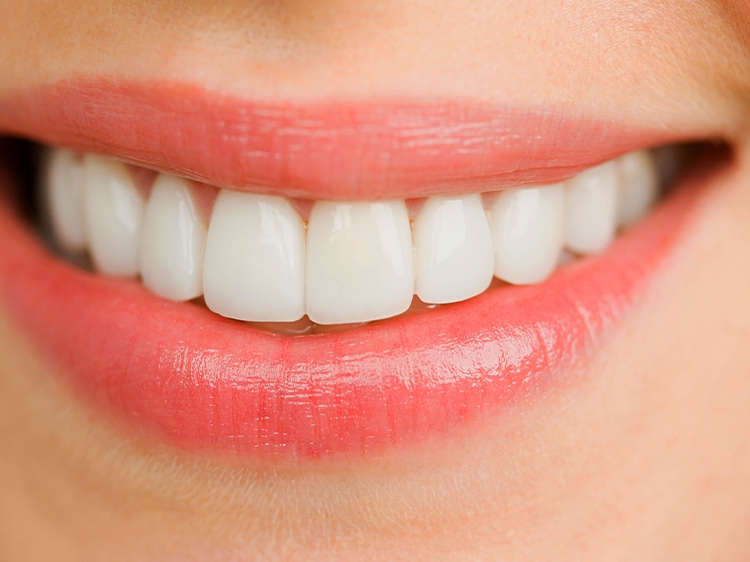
[257, 260]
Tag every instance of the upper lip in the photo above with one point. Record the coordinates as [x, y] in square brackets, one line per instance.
[372, 150]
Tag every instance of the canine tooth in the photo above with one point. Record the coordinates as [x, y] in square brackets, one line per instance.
[528, 227]
[64, 185]
[591, 209]
[453, 249]
[639, 186]
[114, 215]
[360, 261]
[254, 264]
[173, 241]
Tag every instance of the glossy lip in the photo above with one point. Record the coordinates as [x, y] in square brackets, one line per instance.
[200, 381]
[324, 151]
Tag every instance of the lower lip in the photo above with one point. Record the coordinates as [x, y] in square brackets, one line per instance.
[200, 381]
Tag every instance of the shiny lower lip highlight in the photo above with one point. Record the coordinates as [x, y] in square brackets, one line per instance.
[203, 382]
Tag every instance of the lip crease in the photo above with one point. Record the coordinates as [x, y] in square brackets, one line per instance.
[200, 381]
[341, 150]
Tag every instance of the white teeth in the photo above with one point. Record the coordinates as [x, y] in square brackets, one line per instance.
[591, 209]
[354, 262]
[254, 267]
[360, 264]
[64, 181]
[639, 186]
[113, 213]
[528, 228]
[453, 249]
[173, 241]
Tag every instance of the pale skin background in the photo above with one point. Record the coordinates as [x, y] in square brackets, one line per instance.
[646, 457]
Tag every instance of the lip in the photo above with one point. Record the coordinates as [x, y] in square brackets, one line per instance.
[200, 381]
[341, 150]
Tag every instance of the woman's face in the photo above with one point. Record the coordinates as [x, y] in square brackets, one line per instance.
[599, 414]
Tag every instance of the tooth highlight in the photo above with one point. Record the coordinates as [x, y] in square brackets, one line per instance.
[639, 186]
[360, 264]
[453, 249]
[591, 209]
[173, 241]
[64, 183]
[113, 211]
[528, 227]
[254, 265]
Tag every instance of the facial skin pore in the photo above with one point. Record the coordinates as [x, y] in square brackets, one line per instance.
[643, 456]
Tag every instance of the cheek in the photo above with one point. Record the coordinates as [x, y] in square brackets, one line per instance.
[738, 15]
[700, 357]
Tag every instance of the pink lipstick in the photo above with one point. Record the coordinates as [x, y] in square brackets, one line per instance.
[200, 381]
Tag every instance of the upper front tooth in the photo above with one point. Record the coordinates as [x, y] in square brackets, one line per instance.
[254, 266]
[453, 249]
[64, 180]
[639, 186]
[114, 213]
[528, 227]
[360, 263]
[591, 209]
[173, 241]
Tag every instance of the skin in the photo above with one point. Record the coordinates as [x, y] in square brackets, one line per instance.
[644, 456]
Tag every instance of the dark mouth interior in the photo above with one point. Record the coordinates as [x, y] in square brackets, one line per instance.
[21, 157]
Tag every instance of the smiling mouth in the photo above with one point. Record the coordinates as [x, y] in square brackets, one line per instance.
[513, 247]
